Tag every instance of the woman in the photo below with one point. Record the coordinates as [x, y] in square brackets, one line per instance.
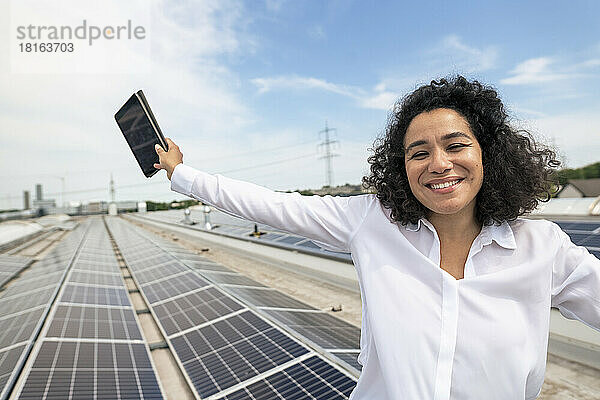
[456, 289]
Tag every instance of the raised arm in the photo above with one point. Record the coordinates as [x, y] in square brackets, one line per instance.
[576, 282]
[328, 220]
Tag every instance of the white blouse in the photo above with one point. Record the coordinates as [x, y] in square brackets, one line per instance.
[426, 335]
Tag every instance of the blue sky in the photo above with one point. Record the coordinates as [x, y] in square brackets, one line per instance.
[242, 84]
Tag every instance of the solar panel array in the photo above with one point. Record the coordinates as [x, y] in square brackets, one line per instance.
[270, 236]
[226, 347]
[11, 266]
[25, 303]
[232, 337]
[585, 234]
[328, 333]
[92, 346]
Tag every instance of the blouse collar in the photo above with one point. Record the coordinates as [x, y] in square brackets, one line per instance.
[501, 233]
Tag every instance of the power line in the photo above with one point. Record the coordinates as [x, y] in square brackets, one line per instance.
[229, 156]
[103, 189]
[266, 164]
[260, 151]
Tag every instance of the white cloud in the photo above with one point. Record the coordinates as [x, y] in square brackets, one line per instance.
[454, 51]
[542, 70]
[301, 83]
[379, 98]
[534, 70]
[380, 101]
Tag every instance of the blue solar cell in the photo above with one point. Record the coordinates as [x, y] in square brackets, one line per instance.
[174, 286]
[578, 238]
[578, 226]
[230, 351]
[95, 295]
[311, 379]
[591, 241]
[8, 361]
[110, 370]
[194, 309]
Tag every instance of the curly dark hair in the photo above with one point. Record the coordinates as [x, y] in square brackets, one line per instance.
[517, 171]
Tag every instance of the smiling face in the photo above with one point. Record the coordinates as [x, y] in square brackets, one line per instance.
[443, 162]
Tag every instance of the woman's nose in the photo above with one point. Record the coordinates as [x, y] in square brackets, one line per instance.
[439, 162]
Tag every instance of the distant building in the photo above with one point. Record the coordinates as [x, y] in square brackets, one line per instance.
[26, 200]
[38, 192]
[100, 207]
[94, 207]
[580, 188]
[45, 206]
[127, 206]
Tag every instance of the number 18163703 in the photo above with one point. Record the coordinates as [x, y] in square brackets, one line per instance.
[46, 47]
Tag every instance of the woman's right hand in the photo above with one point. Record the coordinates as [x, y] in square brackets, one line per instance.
[168, 160]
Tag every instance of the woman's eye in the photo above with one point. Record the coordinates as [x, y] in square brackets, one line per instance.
[419, 154]
[457, 146]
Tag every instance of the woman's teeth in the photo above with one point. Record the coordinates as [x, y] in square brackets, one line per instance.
[444, 185]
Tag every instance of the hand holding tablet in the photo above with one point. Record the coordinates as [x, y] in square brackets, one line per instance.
[168, 160]
[142, 133]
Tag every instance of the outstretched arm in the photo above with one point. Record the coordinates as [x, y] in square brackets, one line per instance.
[330, 221]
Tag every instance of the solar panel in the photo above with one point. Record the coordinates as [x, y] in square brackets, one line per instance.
[10, 266]
[218, 342]
[94, 278]
[173, 286]
[578, 226]
[267, 297]
[94, 323]
[321, 328]
[207, 266]
[159, 271]
[149, 256]
[8, 360]
[44, 267]
[85, 370]
[350, 358]
[233, 350]
[310, 379]
[92, 346]
[231, 279]
[578, 238]
[194, 309]
[25, 301]
[95, 267]
[84, 294]
[19, 327]
[9, 263]
[591, 241]
[23, 285]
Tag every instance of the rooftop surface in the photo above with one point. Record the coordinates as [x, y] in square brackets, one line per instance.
[147, 275]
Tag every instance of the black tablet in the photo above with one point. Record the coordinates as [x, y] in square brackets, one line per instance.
[141, 132]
